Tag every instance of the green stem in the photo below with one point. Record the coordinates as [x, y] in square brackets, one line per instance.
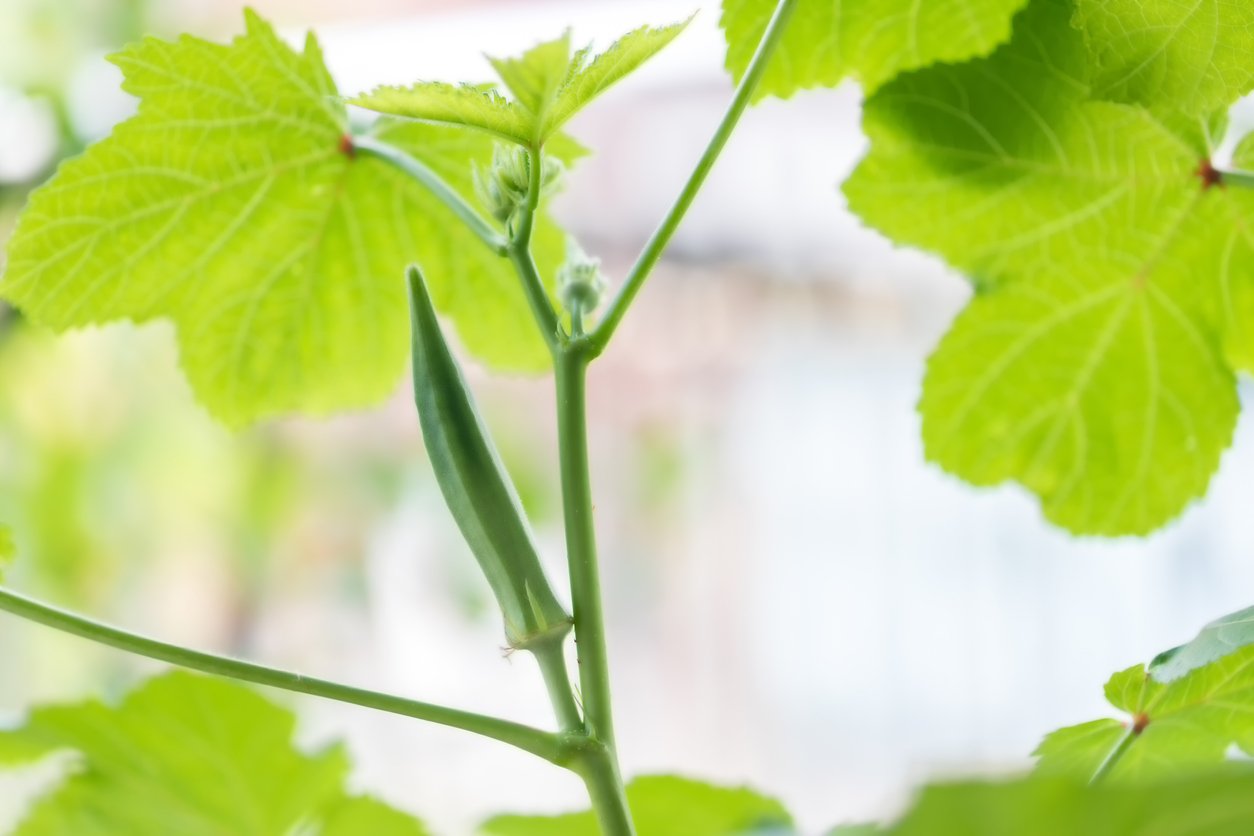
[599, 770]
[661, 237]
[1116, 754]
[519, 252]
[581, 549]
[599, 765]
[536, 741]
[436, 185]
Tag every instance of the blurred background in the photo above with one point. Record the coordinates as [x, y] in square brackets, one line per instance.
[795, 599]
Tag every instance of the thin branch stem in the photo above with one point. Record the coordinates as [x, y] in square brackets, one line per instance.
[436, 185]
[536, 741]
[657, 243]
[519, 252]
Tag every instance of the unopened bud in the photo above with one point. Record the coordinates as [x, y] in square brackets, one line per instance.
[503, 186]
[580, 281]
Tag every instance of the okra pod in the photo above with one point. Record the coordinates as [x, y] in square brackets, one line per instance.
[475, 485]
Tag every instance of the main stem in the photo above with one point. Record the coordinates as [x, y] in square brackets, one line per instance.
[599, 766]
[585, 576]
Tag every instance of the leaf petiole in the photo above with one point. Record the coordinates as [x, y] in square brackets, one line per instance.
[1240, 179]
[1116, 754]
[538, 742]
[436, 185]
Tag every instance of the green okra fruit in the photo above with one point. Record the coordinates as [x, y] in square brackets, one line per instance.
[475, 485]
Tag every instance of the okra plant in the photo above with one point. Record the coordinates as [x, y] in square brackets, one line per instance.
[1071, 157]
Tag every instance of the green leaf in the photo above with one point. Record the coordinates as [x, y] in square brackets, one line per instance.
[536, 77]
[465, 105]
[368, 817]
[1095, 366]
[1218, 804]
[231, 204]
[1243, 154]
[1193, 57]
[1105, 398]
[664, 806]
[189, 755]
[1179, 727]
[8, 549]
[870, 40]
[588, 79]
[1216, 640]
[548, 83]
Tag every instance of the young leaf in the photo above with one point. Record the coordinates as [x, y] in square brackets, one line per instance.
[589, 79]
[870, 40]
[466, 105]
[1188, 57]
[1216, 640]
[1179, 727]
[234, 204]
[548, 83]
[663, 806]
[536, 76]
[1096, 368]
[193, 755]
[1209, 804]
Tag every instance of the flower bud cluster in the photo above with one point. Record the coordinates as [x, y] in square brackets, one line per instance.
[580, 282]
[503, 185]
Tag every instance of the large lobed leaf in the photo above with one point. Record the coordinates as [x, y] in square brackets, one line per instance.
[194, 756]
[233, 204]
[870, 40]
[549, 85]
[1218, 804]
[1192, 57]
[1096, 365]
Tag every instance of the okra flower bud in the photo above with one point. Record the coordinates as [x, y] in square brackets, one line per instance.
[503, 186]
[580, 282]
